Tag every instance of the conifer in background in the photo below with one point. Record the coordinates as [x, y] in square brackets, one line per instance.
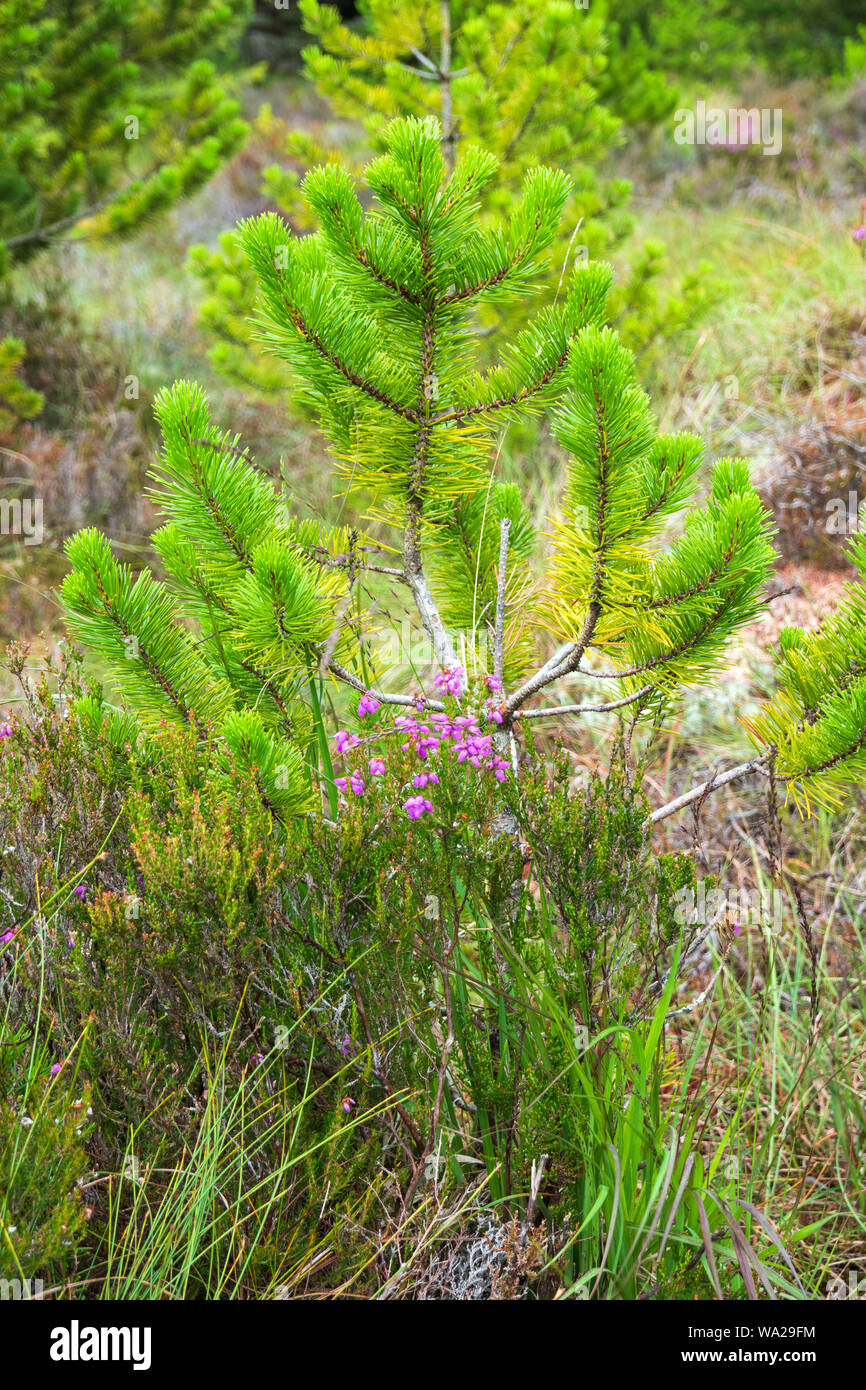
[716, 41]
[17, 400]
[375, 316]
[535, 82]
[110, 112]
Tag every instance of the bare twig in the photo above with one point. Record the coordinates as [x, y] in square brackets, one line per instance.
[331, 645]
[382, 696]
[552, 710]
[721, 779]
[812, 948]
[499, 640]
[44, 234]
[536, 1174]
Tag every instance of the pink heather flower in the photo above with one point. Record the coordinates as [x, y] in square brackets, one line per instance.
[423, 778]
[377, 767]
[81, 891]
[257, 1058]
[859, 234]
[355, 781]
[416, 806]
[56, 1068]
[368, 704]
[475, 747]
[347, 1104]
[343, 741]
[450, 681]
[7, 936]
[492, 682]
[5, 730]
[494, 714]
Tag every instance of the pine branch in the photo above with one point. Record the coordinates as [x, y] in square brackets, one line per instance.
[545, 677]
[368, 387]
[666, 658]
[507, 402]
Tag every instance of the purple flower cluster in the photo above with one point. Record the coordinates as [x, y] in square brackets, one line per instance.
[450, 681]
[368, 704]
[467, 741]
[859, 234]
[354, 780]
[460, 734]
[5, 730]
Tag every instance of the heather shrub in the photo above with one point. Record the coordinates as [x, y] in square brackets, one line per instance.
[202, 910]
[44, 1121]
[373, 1009]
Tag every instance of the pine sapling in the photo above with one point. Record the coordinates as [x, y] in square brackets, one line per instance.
[265, 616]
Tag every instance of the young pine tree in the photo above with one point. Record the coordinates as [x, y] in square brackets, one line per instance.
[535, 82]
[716, 41]
[17, 400]
[375, 315]
[108, 113]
